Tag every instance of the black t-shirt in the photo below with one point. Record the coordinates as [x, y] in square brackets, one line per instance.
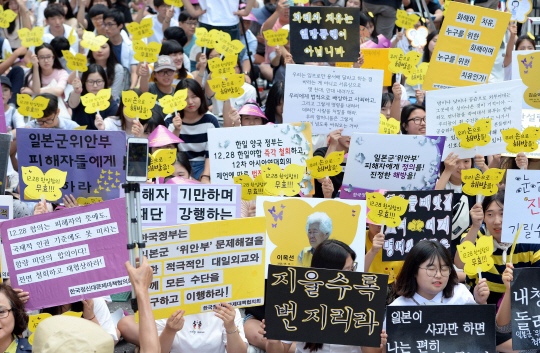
[82, 118]
[125, 11]
[336, 180]
[393, 3]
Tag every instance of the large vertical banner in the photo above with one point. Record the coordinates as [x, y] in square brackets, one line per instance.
[296, 226]
[332, 98]
[468, 44]
[525, 304]
[93, 161]
[64, 257]
[197, 266]
[325, 306]
[324, 34]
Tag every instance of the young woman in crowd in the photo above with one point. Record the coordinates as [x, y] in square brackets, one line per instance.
[46, 70]
[413, 120]
[105, 58]
[24, 19]
[120, 122]
[274, 103]
[520, 43]
[13, 321]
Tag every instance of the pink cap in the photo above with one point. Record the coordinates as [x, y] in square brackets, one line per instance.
[161, 136]
[180, 180]
[250, 17]
[383, 43]
[194, 2]
[252, 108]
[380, 191]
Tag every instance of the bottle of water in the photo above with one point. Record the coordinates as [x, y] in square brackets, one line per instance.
[260, 83]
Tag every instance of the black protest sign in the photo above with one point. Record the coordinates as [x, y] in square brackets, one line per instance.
[324, 34]
[5, 142]
[428, 217]
[526, 308]
[441, 328]
[325, 306]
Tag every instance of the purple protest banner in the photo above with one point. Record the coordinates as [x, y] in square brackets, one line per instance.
[67, 256]
[3, 125]
[172, 204]
[92, 159]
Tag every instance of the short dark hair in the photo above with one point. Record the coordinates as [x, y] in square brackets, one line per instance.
[177, 34]
[158, 3]
[152, 123]
[184, 16]
[406, 113]
[53, 10]
[52, 107]
[275, 97]
[69, 13]
[332, 254]
[97, 10]
[116, 15]
[524, 38]
[92, 69]
[387, 97]
[497, 198]
[59, 44]
[196, 88]
[405, 283]
[17, 309]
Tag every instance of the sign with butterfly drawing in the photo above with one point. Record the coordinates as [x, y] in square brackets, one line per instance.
[523, 69]
[295, 226]
[90, 163]
[238, 154]
[472, 118]
[428, 217]
[391, 162]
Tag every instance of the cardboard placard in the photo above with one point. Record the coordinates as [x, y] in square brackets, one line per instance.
[167, 205]
[92, 159]
[428, 217]
[331, 98]
[197, 266]
[446, 109]
[76, 254]
[324, 34]
[523, 69]
[391, 162]
[325, 306]
[377, 59]
[436, 328]
[525, 304]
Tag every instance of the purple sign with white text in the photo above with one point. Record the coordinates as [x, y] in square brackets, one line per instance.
[67, 256]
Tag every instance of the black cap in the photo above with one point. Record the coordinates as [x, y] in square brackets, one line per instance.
[5, 81]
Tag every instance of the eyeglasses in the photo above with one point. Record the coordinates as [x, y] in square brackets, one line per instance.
[4, 312]
[42, 122]
[418, 121]
[109, 24]
[432, 271]
[46, 58]
[165, 73]
[351, 268]
[192, 23]
[95, 83]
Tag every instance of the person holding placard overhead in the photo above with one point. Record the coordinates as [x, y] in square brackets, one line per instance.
[24, 19]
[520, 43]
[162, 20]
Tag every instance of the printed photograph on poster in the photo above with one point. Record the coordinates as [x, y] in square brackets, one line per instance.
[324, 34]
[524, 70]
[457, 328]
[325, 306]
[428, 217]
[172, 204]
[525, 304]
[332, 98]
[296, 226]
[449, 108]
[68, 256]
[391, 162]
[199, 265]
[91, 162]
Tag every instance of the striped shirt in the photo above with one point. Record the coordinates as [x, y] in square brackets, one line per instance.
[525, 255]
[195, 137]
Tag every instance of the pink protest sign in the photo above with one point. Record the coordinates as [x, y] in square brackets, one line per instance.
[3, 125]
[66, 256]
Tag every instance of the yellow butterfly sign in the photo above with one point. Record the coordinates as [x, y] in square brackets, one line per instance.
[88, 201]
[226, 89]
[33, 108]
[282, 182]
[477, 257]
[47, 184]
[251, 188]
[403, 64]
[416, 225]
[142, 30]
[225, 46]
[388, 126]
[521, 142]
[417, 78]
[72, 38]
[95, 103]
[470, 136]
[529, 73]
[6, 17]
[325, 167]
[476, 183]
[223, 68]
[93, 42]
[75, 62]
[406, 20]
[146, 53]
[34, 320]
[175, 3]
[385, 212]
[205, 38]
[276, 38]
[139, 107]
[161, 163]
[33, 38]
[172, 104]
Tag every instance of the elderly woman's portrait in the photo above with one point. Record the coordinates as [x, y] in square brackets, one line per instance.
[318, 229]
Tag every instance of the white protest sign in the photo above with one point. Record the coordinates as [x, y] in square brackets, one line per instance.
[522, 192]
[529, 117]
[332, 98]
[451, 107]
[517, 75]
[391, 162]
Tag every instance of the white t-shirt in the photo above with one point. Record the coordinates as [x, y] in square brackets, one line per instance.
[508, 73]
[219, 12]
[326, 348]
[112, 123]
[497, 73]
[103, 316]
[202, 333]
[158, 28]
[456, 188]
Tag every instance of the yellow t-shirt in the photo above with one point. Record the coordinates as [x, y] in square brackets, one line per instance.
[13, 346]
[304, 259]
[391, 268]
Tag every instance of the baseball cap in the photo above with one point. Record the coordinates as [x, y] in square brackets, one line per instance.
[6, 81]
[164, 62]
